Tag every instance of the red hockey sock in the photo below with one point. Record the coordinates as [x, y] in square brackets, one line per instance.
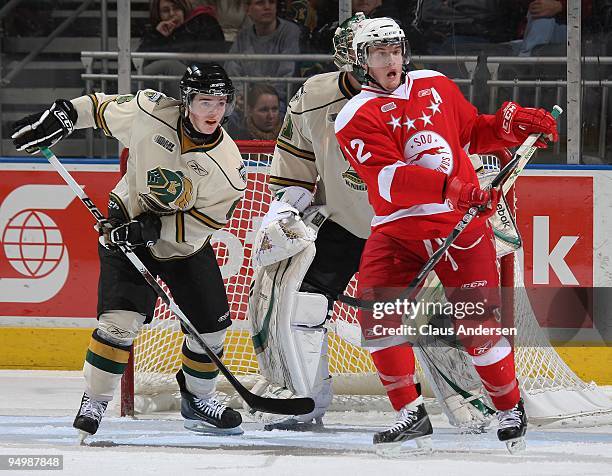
[496, 370]
[395, 367]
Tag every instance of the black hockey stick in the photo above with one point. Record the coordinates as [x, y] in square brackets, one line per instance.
[505, 178]
[292, 406]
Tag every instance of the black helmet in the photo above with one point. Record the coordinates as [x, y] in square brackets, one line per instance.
[206, 78]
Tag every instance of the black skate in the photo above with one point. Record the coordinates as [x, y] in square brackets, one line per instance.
[89, 416]
[512, 427]
[410, 425]
[209, 416]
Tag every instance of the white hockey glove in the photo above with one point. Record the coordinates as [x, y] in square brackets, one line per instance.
[282, 233]
[46, 128]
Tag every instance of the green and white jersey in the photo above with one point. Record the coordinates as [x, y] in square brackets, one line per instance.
[194, 188]
[307, 153]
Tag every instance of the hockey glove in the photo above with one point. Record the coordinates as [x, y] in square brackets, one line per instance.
[462, 196]
[515, 123]
[144, 230]
[45, 129]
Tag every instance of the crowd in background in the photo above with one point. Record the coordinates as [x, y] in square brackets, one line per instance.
[434, 27]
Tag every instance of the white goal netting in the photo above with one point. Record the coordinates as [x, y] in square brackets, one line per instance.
[552, 389]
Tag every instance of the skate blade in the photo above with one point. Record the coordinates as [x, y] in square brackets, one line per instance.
[424, 446]
[82, 436]
[516, 445]
[203, 428]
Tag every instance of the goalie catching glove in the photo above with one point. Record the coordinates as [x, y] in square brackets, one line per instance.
[45, 129]
[144, 230]
[282, 233]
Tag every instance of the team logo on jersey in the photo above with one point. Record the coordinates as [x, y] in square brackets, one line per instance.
[167, 187]
[353, 180]
[429, 149]
[300, 92]
[424, 92]
[124, 98]
[197, 168]
[153, 96]
[287, 131]
[164, 143]
[243, 172]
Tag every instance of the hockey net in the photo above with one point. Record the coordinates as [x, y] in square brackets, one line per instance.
[553, 389]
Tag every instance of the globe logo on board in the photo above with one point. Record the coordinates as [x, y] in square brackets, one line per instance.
[33, 243]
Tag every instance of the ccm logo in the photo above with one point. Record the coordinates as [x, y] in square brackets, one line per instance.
[474, 284]
[507, 117]
[388, 107]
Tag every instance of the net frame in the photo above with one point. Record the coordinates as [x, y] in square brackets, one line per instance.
[552, 389]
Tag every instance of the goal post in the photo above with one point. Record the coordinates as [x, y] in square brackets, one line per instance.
[552, 389]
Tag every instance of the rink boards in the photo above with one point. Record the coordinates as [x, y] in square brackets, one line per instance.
[49, 267]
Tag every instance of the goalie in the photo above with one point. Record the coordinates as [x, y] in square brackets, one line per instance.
[296, 284]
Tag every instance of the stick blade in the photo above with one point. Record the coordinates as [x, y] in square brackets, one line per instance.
[280, 406]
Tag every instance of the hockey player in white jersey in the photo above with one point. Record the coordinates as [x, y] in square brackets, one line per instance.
[184, 178]
[296, 284]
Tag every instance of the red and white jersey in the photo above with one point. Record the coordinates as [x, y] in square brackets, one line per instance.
[405, 143]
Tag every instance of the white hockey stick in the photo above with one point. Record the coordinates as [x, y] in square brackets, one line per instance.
[293, 406]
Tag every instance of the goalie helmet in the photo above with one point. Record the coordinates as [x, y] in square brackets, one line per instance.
[344, 56]
[205, 78]
[379, 32]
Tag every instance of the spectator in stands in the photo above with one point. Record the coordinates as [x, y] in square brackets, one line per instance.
[265, 33]
[178, 27]
[231, 15]
[262, 120]
[467, 26]
[546, 23]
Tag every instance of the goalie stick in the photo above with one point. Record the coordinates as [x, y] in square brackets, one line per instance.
[293, 406]
[505, 178]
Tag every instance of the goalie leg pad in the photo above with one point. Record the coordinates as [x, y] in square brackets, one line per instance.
[287, 326]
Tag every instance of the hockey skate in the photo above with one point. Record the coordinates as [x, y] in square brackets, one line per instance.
[512, 427]
[412, 424]
[208, 415]
[89, 417]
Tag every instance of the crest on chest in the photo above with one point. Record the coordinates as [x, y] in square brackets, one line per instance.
[168, 190]
[430, 150]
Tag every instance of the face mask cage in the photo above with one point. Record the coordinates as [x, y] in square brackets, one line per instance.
[344, 56]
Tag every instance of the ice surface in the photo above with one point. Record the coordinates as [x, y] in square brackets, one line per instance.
[37, 409]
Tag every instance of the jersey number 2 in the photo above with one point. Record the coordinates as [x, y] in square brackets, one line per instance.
[358, 145]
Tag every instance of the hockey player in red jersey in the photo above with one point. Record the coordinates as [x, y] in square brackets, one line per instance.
[407, 134]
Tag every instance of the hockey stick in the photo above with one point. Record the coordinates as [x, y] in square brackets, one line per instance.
[505, 178]
[293, 406]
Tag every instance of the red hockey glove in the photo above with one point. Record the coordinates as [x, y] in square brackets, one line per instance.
[462, 196]
[515, 123]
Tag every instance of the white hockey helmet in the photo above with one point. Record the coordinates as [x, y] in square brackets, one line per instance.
[379, 32]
